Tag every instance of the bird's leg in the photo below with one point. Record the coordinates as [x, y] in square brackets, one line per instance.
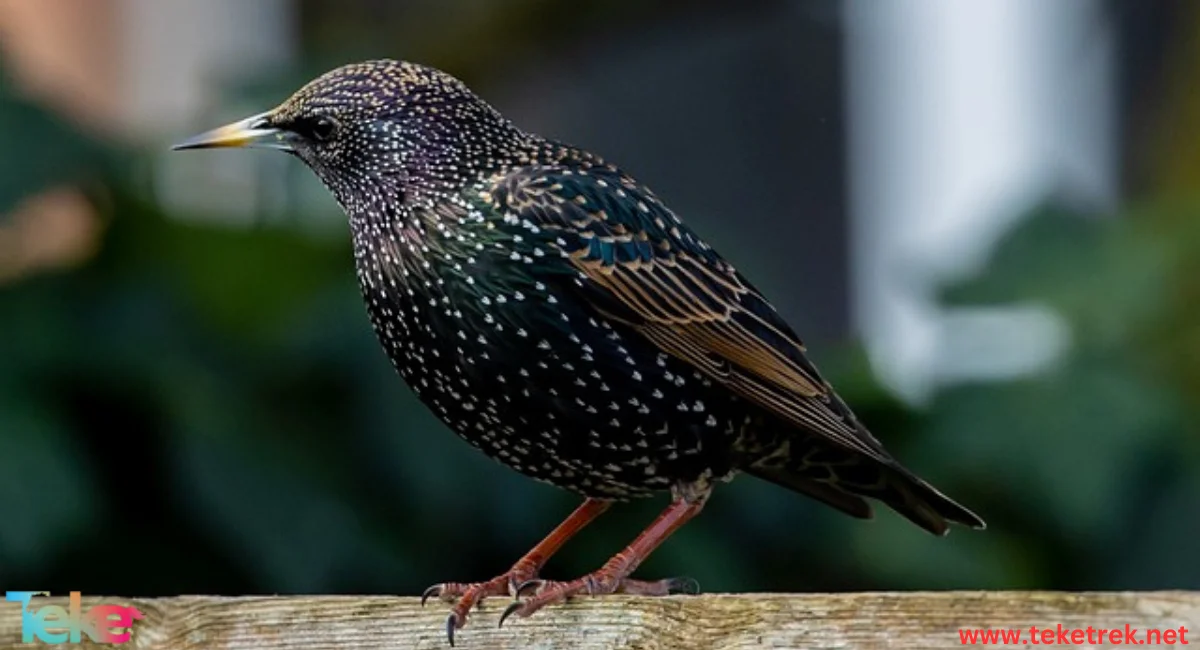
[613, 577]
[521, 573]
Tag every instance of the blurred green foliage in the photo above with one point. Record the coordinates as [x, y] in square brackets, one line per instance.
[40, 149]
[203, 409]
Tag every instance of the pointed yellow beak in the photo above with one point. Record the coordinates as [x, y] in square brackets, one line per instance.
[252, 132]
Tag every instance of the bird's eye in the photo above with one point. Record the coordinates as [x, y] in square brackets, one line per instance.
[320, 128]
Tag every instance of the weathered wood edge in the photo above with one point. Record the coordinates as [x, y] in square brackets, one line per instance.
[708, 622]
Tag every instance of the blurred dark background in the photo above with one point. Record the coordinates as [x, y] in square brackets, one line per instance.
[984, 217]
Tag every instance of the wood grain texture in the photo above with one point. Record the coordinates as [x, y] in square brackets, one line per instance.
[710, 622]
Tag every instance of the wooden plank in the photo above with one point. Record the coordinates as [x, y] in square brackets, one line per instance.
[708, 622]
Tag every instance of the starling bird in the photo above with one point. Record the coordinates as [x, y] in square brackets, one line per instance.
[555, 314]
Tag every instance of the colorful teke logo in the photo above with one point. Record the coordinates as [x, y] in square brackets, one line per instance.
[53, 624]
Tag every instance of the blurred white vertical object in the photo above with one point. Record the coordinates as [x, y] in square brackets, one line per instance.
[179, 53]
[180, 56]
[962, 115]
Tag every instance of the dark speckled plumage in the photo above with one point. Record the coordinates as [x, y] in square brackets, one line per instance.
[555, 314]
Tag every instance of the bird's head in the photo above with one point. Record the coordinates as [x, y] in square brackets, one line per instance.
[379, 127]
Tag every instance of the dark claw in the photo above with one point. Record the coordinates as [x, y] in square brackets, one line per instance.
[451, 624]
[509, 611]
[435, 590]
[521, 588]
[683, 586]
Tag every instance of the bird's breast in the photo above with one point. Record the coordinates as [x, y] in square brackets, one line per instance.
[519, 366]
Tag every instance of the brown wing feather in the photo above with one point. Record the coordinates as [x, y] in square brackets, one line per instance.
[650, 271]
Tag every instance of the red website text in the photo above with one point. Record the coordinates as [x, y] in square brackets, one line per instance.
[1067, 636]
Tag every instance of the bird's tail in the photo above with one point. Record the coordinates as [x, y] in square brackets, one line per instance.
[846, 477]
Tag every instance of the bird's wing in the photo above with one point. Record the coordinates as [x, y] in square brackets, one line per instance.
[638, 263]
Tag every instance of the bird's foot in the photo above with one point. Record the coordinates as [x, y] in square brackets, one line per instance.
[548, 592]
[466, 595]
